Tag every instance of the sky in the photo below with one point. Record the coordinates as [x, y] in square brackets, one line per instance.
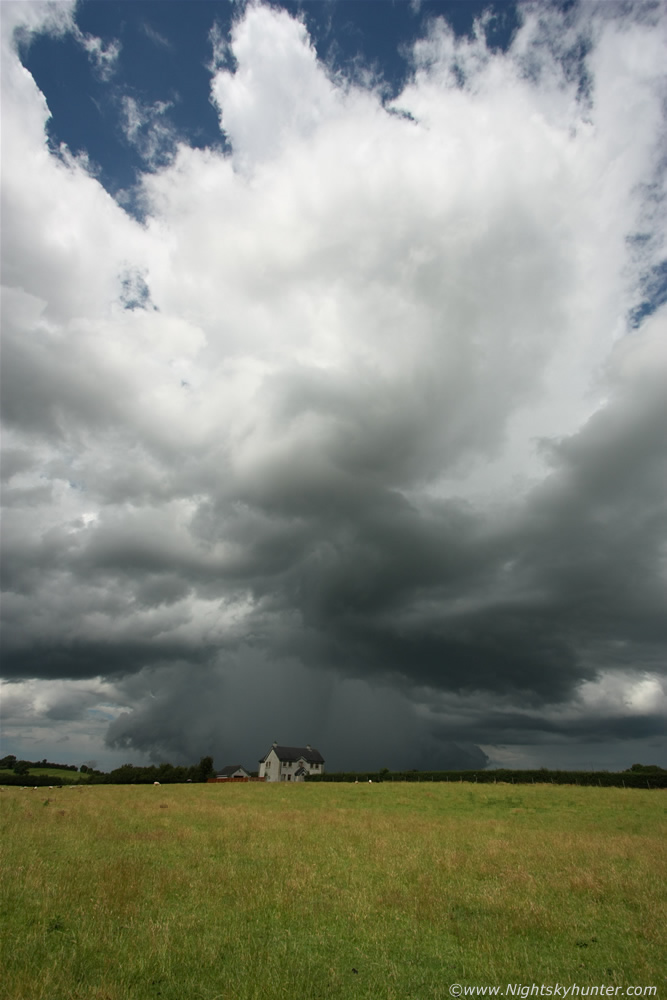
[334, 382]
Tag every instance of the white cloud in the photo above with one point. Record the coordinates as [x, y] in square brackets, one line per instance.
[620, 692]
[53, 16]
[21, 20]
[104, 57]
[278, 93]
[70, 717]
[147, 127]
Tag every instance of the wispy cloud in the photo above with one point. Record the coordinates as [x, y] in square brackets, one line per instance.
[149, 130]
[103, 56]
[155, 36]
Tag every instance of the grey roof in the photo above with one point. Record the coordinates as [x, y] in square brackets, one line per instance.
[230, 769]
[312, 755]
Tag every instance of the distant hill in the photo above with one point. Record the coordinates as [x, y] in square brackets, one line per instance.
[28, 772]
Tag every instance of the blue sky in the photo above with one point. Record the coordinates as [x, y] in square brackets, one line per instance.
[165, 53]
[334, 382]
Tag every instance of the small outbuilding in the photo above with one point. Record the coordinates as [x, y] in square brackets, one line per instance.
[232, 771]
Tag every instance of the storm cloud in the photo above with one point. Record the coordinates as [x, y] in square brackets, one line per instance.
[357, 436]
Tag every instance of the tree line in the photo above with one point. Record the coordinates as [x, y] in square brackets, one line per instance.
[637, 776]
[17, 772]
[19, 767]
[166, 774]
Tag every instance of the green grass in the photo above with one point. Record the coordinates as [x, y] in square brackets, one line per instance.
[57, 772]
[255, 892]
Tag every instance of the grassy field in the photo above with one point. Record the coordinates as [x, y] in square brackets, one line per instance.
[214, 892]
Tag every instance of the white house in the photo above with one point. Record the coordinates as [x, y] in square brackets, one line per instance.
[290, 763]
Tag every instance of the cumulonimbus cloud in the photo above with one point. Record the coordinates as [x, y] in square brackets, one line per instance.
[378, 414]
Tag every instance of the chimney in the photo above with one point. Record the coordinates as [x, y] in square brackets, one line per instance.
[308, 746]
